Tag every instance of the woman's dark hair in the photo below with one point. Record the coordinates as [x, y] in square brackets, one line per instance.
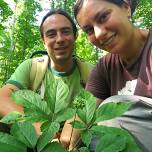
[62, 12]
[133, 4]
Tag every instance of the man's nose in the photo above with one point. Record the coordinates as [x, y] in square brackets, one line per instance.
[59, 37]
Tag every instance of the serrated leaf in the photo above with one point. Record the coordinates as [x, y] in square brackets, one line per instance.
[61, 96]
[90, 107]
[86, 137]
[22, 96]
[64, 115]
[31, 100]
[103, 130]
[111, 143]
[111, 110]
[47, 136]
[25, 132]
[9, 144]
[12, 117]
[58, 101]
[81, 115]
[78, 125]
[54, 147]
[35, 115]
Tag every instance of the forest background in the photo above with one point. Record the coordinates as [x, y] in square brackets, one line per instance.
[19, 31]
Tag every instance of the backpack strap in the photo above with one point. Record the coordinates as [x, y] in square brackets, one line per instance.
[38, 69]
[85, 68]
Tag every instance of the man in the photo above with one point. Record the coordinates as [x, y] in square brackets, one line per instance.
[58, 33]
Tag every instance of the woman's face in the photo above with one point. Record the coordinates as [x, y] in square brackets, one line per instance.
[106, 24]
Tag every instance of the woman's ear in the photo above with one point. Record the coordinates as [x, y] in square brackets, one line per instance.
[127, 9]
[76, 35]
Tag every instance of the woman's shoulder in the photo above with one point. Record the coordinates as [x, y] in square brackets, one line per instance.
[109, 58]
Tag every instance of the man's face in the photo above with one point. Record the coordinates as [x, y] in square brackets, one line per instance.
[58, 38]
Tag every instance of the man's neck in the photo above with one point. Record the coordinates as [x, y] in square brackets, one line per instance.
[62, 66]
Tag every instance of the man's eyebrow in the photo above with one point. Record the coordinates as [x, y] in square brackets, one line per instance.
[49, 31]
[67, 27]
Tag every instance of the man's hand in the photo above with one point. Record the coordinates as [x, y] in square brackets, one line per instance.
[69, 136]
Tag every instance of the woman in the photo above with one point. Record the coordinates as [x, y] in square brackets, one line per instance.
[127, 68]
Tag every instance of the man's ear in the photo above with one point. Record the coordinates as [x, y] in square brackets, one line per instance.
[127, 9]
[43, 41]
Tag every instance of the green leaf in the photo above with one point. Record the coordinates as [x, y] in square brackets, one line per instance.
[64, 115]
[90, 107]
[57, 101]
[25, 132]
[86, 137]
[45, 126]
[47, 136]
[103, 130]
[111, 143]
[54, 147]
[78, 125]
[83, 149]
[111, 110]
[9, 144]
[61, 96]
[12, 117]
[35, 115]
[32, 103]
[81, 115]
[24, 97]
[87, 113]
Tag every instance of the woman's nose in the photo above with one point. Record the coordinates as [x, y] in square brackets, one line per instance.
[100, 32]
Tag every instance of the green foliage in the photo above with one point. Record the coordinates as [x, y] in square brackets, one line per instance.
[103, 130]
[22, 131]
[9, 143]
[12, 117]
[20, 35]
[117, 139]
[35, 109]
[47, 136]
[25, 132]
[5, 11]
[111, 110]
[115, 144]
[85, 50]
[143, 15]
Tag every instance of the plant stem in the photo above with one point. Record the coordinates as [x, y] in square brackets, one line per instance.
[34, 150]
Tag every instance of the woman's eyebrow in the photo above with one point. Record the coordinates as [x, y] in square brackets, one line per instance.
[99, 13]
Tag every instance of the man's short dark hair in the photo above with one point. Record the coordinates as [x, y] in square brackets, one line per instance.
[62, 12]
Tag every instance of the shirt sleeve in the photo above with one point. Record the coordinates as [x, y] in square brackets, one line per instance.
[21, 77]
[98, 81]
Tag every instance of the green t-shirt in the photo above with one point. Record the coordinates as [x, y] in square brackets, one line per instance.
[21, 79]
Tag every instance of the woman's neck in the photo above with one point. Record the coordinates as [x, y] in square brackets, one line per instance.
[134, 48]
